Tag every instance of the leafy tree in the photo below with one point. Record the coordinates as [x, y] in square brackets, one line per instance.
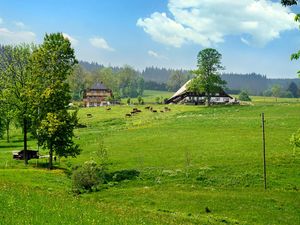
[276, 91]
[53, 63]
[16, 86]
[243, 96]
[77, 82]
[293, 88]
[207, 77]
[295, 140]
[176, 80]
[7, 114]
[130, 83]
[289, 2]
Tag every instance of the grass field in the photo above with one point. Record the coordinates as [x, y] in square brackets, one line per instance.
[198, 165]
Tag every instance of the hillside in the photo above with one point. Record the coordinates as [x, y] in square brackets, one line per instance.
[197, 165]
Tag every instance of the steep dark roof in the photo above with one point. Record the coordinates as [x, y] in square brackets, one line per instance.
[99, 86]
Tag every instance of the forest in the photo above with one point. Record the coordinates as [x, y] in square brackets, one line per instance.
[128, 82]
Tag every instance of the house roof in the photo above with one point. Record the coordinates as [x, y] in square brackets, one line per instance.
[99, 86]
[182, 89]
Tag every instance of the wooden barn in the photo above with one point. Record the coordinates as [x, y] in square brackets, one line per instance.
[183, 96]
[96, 95]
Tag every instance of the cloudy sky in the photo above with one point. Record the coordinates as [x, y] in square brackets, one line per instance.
[252, 35]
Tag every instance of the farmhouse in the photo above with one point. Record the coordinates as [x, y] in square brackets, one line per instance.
[96, 95]
[183, 96]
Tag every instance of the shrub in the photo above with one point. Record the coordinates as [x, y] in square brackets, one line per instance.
[122, 175]
[244, 96]
[87, 177]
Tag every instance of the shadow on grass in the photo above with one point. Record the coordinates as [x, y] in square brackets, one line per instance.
[10, 146]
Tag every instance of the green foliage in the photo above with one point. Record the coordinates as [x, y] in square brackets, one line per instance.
[288, 2]
[56, 133]
[77, 81]
[140, 100]
[177, 79]
[276, 91]
[128, 101]
[87, 177]
[130, 83]
[207, 78]
[243, 96]
[16, 87]
[53, 63]
[122, 175]
[293, 88]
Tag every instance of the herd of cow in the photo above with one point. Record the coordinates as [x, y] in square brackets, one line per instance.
[150, 108]
[136, 111]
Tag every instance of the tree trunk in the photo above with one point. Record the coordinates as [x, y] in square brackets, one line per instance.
[208, 99]
[25, 140]
[7, 131]
[50, 157]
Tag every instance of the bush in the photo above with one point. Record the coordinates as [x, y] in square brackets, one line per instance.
[244, 96]
[122, 175]
[87, 177]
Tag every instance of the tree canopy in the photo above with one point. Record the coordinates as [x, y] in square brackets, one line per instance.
[53, 63]
[207, 78]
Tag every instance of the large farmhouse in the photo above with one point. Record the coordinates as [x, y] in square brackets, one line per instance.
[183, 96]
[96, 95]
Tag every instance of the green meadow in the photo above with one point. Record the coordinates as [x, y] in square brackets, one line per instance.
[197, 165]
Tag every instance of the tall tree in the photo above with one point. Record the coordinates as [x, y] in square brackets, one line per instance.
[53, 63]
[15, 82]
[276, 91]
[295, 139]
[77, 82]
[207, 78]
[293, 88]
[177, 79]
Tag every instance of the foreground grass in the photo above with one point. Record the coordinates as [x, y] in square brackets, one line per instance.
[198, 166]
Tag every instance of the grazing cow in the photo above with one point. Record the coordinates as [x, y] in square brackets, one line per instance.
[167, 109]
[133, 112]
[161, 111]
[108, 108]
[89, 115]
[155, 111]
[147, 107]
[127, 115]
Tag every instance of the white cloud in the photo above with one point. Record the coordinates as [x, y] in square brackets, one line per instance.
[73, 41]
[15, 37]
[156, 55]
[245, 41]
[20, 25]
[99, 42]
[207, 22]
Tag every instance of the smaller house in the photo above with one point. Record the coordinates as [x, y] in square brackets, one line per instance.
[96, 95]
[183, 96]
[31, 154]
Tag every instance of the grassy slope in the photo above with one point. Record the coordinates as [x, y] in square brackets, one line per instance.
[190, 158]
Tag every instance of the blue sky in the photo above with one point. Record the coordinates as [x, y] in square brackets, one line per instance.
[253, 36]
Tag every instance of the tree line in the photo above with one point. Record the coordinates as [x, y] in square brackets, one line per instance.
[171, 80]
[34, 93]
